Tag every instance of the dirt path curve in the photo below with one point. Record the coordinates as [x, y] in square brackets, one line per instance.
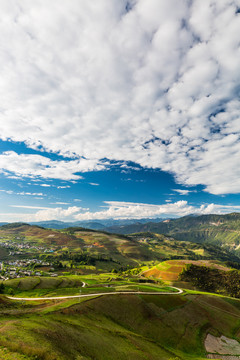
[99, 294]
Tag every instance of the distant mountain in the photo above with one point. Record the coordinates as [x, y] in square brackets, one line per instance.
[95, 225]
[123, 222]
[222, 230]
[54, 224]
[89, 225]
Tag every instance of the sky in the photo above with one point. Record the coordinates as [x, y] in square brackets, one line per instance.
[119, 109]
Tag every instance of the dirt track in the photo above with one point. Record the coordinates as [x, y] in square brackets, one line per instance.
[98, 294]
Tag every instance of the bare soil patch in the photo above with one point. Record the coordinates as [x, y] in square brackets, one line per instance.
[222, 348]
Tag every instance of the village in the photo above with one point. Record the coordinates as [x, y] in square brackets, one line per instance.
[20, 268]
[23, 259]
[18, 247]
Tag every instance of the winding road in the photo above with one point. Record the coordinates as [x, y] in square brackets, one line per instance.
[179, 291]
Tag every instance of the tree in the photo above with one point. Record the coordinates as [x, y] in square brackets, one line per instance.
[2, 288]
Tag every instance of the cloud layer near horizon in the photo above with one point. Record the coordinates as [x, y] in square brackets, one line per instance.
[153, 82]
[117, 210]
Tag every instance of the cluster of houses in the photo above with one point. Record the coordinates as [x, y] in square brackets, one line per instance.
[25, 263]
[19, 248]
[18, 268]
[10, 269]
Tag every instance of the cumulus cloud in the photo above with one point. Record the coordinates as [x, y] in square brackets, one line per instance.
[58, 213]
[156, 83]
[43, 213]
[129, 210]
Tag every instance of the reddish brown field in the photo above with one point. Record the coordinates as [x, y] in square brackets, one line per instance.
[170, 270]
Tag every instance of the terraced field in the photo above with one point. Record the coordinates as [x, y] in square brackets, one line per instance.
[170, 270]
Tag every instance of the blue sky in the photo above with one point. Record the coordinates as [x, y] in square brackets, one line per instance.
[132, 112]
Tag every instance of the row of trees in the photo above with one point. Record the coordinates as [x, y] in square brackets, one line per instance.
[212, 280]
[81, 258]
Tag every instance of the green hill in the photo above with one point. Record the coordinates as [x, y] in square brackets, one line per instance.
[222, 230]
[166, 327]
[105, 251]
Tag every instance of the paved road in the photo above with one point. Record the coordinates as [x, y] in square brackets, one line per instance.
[98, 294]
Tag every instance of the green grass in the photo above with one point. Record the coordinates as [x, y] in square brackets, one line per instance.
[71, 285]
[30, 283]
[130, 327]
[5, 354]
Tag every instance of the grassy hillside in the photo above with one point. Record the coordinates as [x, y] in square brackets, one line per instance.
[76, 245]
[223, 230]
[117, 327]
[170, 248]
[36, 235]
[170, 270]
[91, 251]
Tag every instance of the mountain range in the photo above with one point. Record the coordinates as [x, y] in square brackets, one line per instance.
[95, 224]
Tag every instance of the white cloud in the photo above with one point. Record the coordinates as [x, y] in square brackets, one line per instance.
[128, 210]
[29, 207]
[26, 193]
[29, 165]
[116, 210]
[61, 203]
[22, 193]
[157, 85]
[182, 192]
[10, 192]
[93, 184]
[57, 213]
[44, 213]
